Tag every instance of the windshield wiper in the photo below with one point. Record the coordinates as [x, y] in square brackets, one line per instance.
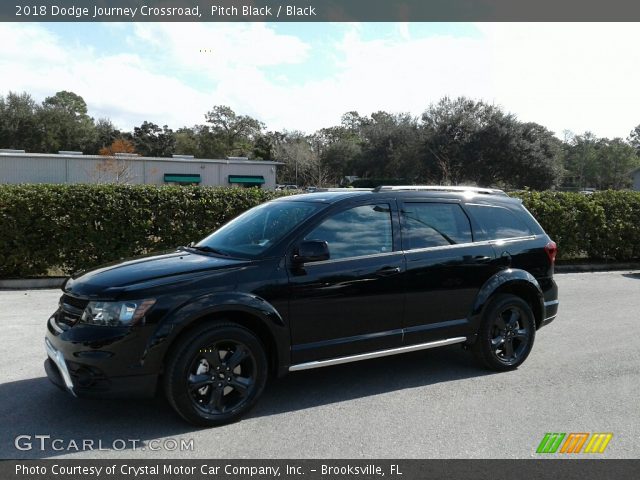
[208, 249]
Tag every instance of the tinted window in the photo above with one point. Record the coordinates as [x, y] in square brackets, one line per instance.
[259, 228]
[434, 224]
[363, 230]
[498, 222]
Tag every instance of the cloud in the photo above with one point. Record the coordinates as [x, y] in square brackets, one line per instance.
[121, 86]
[575, 76]
[563, 76]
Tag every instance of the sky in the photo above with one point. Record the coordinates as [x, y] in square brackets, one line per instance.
[574, 77]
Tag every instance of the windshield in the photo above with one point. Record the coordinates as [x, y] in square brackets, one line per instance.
[258, 229]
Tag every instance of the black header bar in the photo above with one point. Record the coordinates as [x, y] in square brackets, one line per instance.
[552, 469]
[318, 10]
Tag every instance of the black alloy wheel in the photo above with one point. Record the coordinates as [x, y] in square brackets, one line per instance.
[506, 334]
[216, 374]
[509, 335]
[221, 376]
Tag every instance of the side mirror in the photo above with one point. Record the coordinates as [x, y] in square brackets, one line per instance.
[311, 251]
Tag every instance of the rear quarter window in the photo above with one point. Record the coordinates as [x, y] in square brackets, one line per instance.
[498, 222]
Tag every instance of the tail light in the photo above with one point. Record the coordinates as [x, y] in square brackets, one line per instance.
[552, 250]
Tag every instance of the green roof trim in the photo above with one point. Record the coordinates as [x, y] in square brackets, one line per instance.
[256, 179]
[182, 178]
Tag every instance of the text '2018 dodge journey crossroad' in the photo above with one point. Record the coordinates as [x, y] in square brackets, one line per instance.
[308, 281]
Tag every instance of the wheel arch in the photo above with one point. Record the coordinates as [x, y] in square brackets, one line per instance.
[245, 319]
[248, 311]
[515, 282]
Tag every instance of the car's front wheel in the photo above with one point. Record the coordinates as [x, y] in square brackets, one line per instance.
[215, 374]
[506, 333]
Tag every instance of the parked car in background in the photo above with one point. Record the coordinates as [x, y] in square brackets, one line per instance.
[308, 281]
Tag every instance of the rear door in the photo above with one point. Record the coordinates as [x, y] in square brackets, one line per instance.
[445, 269]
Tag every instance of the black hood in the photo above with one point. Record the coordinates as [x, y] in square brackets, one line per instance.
[148, 272]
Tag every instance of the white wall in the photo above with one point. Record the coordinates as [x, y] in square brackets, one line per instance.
[49, 168]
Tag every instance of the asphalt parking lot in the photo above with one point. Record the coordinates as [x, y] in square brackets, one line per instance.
[582, 376]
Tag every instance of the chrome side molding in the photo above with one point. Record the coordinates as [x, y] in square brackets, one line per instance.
[379, 353]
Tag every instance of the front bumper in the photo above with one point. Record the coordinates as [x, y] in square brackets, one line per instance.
[62, 371]
[138, 386]
[98, 362]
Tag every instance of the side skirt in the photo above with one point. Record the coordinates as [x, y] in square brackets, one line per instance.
[379, 353]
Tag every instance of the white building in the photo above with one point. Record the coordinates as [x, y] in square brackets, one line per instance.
[16, 166]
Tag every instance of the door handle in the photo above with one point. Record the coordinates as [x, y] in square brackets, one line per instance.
[387, 271]
[481, 259]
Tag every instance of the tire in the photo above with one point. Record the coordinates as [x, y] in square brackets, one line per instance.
[506, 333]
[215, 374]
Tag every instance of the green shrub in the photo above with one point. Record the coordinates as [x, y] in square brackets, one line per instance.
[600, 226]
[75, 227]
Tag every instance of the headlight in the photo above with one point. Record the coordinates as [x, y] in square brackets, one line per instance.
[116, 314]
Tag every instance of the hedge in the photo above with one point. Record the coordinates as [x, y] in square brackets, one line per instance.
[75, 227]
[602, 226]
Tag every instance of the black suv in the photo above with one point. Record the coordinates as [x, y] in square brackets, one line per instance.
[308, 281]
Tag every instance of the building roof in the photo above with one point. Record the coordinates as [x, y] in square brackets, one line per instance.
[231, 160]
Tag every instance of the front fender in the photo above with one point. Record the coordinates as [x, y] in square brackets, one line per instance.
[214, 303]
[509, 280]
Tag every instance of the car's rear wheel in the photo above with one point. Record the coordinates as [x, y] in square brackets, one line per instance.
[506, 334]
[216, 374]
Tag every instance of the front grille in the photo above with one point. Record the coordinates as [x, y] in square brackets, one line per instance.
[78, 303]
[71, 309]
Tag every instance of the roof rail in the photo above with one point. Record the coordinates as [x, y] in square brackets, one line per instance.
[440, 188]
[342, 189]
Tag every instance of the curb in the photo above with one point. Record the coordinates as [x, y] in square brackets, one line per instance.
[32, 283]
[596, 267]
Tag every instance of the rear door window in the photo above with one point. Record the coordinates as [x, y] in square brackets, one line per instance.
[429, 224]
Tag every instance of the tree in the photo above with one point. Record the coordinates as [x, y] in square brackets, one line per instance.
[19, 125]
[581, 161]
[303, 164]
[113, 168]
[634, 139]
[105, 134]
[65, 122]
[452, 131]
[472, 141]
[537, 158]
[393, 141]
[186, 142]
[237, 133]
[152, 141]
[342, 146]
[119, 145]
[265, 145]
[616, 159]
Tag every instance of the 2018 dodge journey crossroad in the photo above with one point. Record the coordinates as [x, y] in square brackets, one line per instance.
[308, 281]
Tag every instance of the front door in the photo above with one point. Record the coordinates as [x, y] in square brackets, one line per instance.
[352, 302]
